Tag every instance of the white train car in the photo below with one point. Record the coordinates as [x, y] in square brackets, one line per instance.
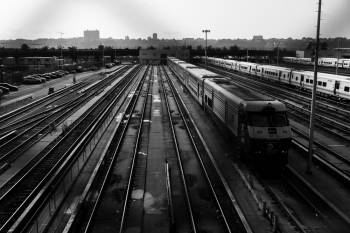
[344, 63]
[274, 73]
[246, 67]
[327, 62]
[231, 64]
[288, 59]
[327, 84]
[305, 61]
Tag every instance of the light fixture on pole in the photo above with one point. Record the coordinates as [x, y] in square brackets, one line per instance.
[205, 31]
[61, 50]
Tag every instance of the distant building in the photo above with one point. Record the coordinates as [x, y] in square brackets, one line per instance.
[258, 38]
[91, 35]
[154, 36]
[276, 44]
[159, 56]
[126, 37]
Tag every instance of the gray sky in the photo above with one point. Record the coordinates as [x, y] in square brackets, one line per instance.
[32, 19]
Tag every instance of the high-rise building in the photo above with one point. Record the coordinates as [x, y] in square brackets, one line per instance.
[91, 35]
[126, 37]
[154, 36]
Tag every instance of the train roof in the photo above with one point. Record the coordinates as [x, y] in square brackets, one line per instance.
[202, 73]
[237, 95]
[242, 92]
[275, 67]
[187, 65]
[248, 63]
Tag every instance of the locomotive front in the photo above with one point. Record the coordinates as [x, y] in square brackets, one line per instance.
[265, 132]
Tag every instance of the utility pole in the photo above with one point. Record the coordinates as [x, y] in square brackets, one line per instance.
[313, 101]
[206, 31]
[61, 49]
[336, 69]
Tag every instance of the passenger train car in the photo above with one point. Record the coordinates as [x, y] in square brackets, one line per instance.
[335, 86]
[257, 124]
[322, 61]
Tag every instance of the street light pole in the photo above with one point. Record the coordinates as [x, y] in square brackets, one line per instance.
[205, 31]
[313, 101]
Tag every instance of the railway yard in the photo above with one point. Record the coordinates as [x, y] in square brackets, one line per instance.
[131, 150]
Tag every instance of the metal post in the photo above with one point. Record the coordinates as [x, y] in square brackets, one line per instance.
[313, 101]
[247, 54]
[1, 73]
[205, 31]
[336, 68]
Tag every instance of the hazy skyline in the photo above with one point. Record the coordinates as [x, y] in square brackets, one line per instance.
[173, 19]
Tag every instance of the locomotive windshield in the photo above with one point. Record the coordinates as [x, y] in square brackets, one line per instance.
[272, 119]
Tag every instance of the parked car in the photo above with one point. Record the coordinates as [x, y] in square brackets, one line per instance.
[4, 90]
[31, 79]
[9, 86]
[58, 74]
[43, 80]
[47, 76]
[53, 75]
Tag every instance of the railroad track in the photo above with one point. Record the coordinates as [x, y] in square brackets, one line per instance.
[22, 189]
[30, 130]
[57, 98]
[129, 175]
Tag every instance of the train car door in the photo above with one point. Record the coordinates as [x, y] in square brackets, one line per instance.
[336, 88]
[302, 80]
[279, 75]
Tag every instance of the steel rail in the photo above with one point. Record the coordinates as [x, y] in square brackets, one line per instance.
[193, 222]
[58, 167]
[114, 157]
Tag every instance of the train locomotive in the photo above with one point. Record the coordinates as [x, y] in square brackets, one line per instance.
[256, 123]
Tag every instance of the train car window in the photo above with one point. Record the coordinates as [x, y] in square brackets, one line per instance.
[346, 89]
[259, 120]
[319, 83]
[296, 78]
[324, 84]
[311, 81]
[279, 120]
[307, 80]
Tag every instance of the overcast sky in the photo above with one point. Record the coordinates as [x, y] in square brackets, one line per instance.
[32, 19]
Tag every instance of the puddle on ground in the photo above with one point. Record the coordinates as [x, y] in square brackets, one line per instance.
[137, 194]
[153, 205]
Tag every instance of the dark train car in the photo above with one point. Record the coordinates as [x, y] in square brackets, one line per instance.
[257, 124]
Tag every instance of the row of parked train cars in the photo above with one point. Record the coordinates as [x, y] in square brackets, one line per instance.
[257, 123]
[334, 86]
[323, 61]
